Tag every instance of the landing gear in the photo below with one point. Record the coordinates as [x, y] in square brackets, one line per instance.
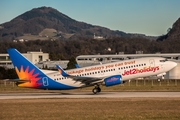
[96, 90]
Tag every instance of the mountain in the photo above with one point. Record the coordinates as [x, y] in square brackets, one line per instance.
[173, 33]
[48, 23]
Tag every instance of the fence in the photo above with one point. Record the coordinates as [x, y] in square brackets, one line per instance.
[153, 82]
[145, 82]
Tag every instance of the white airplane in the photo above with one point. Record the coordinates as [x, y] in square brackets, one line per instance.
[105, 74]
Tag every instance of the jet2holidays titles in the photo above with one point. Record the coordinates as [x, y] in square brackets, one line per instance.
[127, 70]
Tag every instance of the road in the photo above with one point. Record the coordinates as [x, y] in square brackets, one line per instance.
[90, 95]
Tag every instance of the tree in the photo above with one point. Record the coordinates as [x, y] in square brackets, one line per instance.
[7, 73]
[71, 63]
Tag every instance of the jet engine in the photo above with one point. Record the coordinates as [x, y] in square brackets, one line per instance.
[113, 80]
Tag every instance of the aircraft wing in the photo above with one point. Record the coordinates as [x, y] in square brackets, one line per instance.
[87, 80]
[84, 79]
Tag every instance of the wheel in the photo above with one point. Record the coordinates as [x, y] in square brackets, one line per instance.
[95, 90]
[99, 89]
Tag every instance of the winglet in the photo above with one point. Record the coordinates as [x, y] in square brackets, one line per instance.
[62, 72]
[77, 66]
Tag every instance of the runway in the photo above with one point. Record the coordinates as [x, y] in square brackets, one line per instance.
[90, 95]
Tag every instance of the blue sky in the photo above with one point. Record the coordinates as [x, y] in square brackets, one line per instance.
[150, 17]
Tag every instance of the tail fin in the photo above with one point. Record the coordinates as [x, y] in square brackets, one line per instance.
[25, 69]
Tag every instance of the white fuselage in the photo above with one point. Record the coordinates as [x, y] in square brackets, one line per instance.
[128, 69]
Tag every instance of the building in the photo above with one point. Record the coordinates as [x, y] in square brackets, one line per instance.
[40, 59]
[52, 64]
[98, 37]
[5, 61]
[34, 57]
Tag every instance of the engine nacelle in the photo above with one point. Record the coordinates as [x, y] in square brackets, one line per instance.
[113, 80]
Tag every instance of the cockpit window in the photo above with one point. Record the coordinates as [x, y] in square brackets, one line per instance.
[163, 60]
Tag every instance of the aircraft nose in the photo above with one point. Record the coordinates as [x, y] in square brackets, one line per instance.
[173, 64]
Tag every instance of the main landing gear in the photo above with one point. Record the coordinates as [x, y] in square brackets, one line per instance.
[96, 90]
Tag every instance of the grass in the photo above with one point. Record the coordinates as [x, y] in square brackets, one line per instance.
[94, 108]
[48, 32]
[43, 35]
[91, 109]
[32, 37]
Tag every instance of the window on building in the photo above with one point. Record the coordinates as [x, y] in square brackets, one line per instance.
[2, 58]
[40, 58]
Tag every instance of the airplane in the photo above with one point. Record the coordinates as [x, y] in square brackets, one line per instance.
[109, 74]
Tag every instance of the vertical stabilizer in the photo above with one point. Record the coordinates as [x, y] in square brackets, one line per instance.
[25, 69]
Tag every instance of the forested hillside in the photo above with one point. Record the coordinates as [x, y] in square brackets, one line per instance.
[66, 49]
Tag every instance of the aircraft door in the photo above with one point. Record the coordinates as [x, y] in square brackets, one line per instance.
[161, 66]
[152, 62]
